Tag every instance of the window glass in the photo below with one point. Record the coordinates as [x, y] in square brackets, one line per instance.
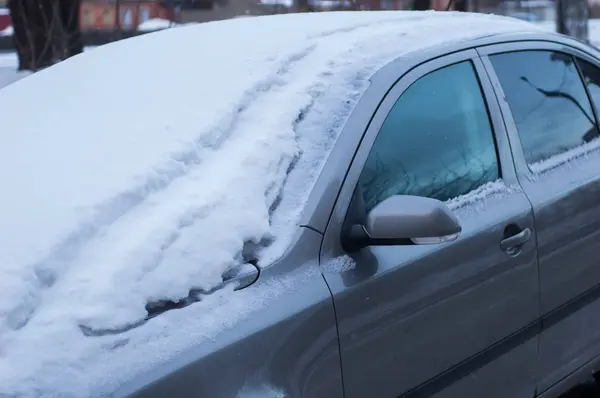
[436, 141]
[144, 15]
[127, 18]
[547, 100]
[387, 4]
[591, 77]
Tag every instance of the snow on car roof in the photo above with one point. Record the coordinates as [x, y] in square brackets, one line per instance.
[139, 170]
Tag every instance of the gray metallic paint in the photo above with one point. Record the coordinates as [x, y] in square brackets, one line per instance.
[418, 311]
[441, 321]
[290, 345]
[567, 213]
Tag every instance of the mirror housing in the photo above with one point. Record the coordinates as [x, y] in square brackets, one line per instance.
[404, 220]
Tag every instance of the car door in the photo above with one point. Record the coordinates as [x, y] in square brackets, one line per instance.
[552, 126]
[452, 319]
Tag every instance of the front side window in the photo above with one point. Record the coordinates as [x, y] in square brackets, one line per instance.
[436, 141]
[548, 101]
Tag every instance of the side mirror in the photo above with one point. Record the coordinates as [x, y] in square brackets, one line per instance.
[404, 220]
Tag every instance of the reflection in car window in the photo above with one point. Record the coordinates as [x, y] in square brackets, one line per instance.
[591, 76]
[437, 141]
[548, 101]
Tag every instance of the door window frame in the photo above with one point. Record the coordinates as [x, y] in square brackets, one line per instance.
[331, 244]
[522, 167]
[505, 158]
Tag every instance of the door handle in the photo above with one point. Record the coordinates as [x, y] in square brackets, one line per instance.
[514, 242]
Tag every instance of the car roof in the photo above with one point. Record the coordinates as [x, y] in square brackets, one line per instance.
[413, 58]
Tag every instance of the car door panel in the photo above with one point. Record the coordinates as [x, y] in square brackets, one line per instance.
[565, 196]
[407, 314]
[280, 341]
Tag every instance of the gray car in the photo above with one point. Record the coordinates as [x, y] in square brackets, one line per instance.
[447, 248]
[464, 191]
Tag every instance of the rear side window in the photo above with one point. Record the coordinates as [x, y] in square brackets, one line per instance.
[591, 78]
[548, 101]
[436, 141]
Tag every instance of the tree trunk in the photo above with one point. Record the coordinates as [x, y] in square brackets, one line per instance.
[421, 5]
[20, 36]
[461, 5]
[32, 21]
[69, 18]
[118, 18]
[572, 18]
[303, 6]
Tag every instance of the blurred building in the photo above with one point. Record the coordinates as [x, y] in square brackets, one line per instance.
[226, 9]
[438, 5]
[594, 8]
[4, 18]
[102, 14]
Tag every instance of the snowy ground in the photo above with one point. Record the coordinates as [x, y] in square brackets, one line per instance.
[8, 68]
[8, 72]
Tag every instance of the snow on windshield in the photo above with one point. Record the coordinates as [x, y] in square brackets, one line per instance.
[141, 170]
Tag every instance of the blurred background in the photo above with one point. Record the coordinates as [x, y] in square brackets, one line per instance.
[43, 32]
[135, 14]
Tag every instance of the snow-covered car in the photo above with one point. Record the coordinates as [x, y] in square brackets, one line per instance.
[345, 204]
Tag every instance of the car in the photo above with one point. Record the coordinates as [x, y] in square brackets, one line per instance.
[345, 204]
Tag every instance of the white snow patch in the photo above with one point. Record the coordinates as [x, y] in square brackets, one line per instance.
[8, 60]
[8, 69]
[496, 189]
[580, 152]
[101, 215]
[9, 76]
[285, 3]
[329, 3]
[94, 366]
[265, 391]
[155, 24]
[8, 31]
[339, 264]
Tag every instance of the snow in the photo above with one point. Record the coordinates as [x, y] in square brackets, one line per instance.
[264, 391]
[579, 152]
[329, 3]
[113, 198]
[338, 264]
[8, 31]
[286, 3]
[10, 75]
[8, 68]
[8, 60]
[155, 24]
[496, 189]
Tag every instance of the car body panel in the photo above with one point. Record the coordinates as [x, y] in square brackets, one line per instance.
[408, 323]
[288, 345]
[567, 214]
[408, 314]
